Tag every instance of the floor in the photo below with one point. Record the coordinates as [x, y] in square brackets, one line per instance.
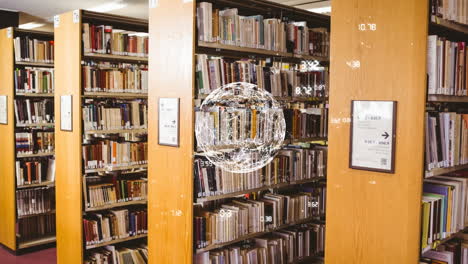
[45, 256]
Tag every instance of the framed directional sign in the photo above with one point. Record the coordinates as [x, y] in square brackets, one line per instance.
[373, 128]
[168, 127]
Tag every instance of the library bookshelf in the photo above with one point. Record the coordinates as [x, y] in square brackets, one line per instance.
[73, 204]
[172, 63]
[10, 234]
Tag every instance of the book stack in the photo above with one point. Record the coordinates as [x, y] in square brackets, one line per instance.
[241, 217]
[454, 251]
[284, 246]
[35, 201]
[114, 115]
[446, 66]
[35, 171]
[280, 79]
[306, 120]
[117, 191]
[115, 78]
[444, 208]
[114, 224]
[446, 139]
[33, 50]
[110, 153]
[34, 80]
[34, 142]
[105, 39]
[452, 10]
[115, 255]
[34, 111]
[227, 27]
[36, 227]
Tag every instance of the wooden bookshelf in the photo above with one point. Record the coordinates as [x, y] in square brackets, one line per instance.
[35, 94]
[71, 174]
[442, 171]
[9, 220]
[170, 170]
[442, 241]
[440, 24]
[33, 215]
[447, 99]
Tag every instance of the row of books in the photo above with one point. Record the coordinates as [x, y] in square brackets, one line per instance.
[118, 255]
[35, 171]
[117, 191]
[36, 227]
[240, 217]
[446, 139]
[35, 201]
[34, 111]
[121, 78]
[306, 121]
[105, 39]
[114, 224]
[216, 124]
[453, 10]
[112, 153]
[105, 115]
[34, 142]
[228, 27]
[280, 79]
[454, 251]
[34, 80]
[444, 208]
[33, 50]
[284, 246]
[289, 165]
[446, 66]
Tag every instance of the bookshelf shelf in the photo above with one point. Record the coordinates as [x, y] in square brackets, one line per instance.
[117, 131]
[441, 171]
[45, 154]
[32, 215]
[34, 64]
[116, 241]
[253, 235]
[36, 125]
[218, 47]
[316, 259]
[114, 95]
[447, 99]
[37, 242]
[98, 56]
[114, 205]
[43, 184]
[264, 188]
[119, 168]
[448, 25]
[35, 94]
[442, 241]
[301, 99]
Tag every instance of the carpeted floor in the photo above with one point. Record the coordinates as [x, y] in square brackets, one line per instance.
[45, 256]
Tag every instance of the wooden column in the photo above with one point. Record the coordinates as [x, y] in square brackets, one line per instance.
[68, 144]
[375, 217]
[7, 141]
[171, 74]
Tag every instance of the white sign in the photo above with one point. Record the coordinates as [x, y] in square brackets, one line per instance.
[3, 110]
[66, 113]
[373, 135]
[169, 121]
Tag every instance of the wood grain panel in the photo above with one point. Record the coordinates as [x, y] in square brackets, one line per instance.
[68, 144]
[7, 140]
[375, 217]
[171, 66]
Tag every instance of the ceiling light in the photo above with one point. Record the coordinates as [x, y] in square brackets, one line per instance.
[108, 7]
[31, 25]
[320, 10]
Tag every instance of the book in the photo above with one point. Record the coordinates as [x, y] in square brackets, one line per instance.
[34, 111]
[105, 39]
[115, 78]
[34, 142]
[452, 10]
[34, 80]
[109, 153]
[35, 201]
[114, 115]
[29, 49]
[306, 120]
[36, 227]
[137, 254]
[34, 171]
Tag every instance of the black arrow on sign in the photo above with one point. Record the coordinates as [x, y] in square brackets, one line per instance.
[385, 135]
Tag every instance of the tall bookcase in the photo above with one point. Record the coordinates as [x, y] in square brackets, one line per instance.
[72, 175]
[13, 222]
[173, 63]
[446, 93]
